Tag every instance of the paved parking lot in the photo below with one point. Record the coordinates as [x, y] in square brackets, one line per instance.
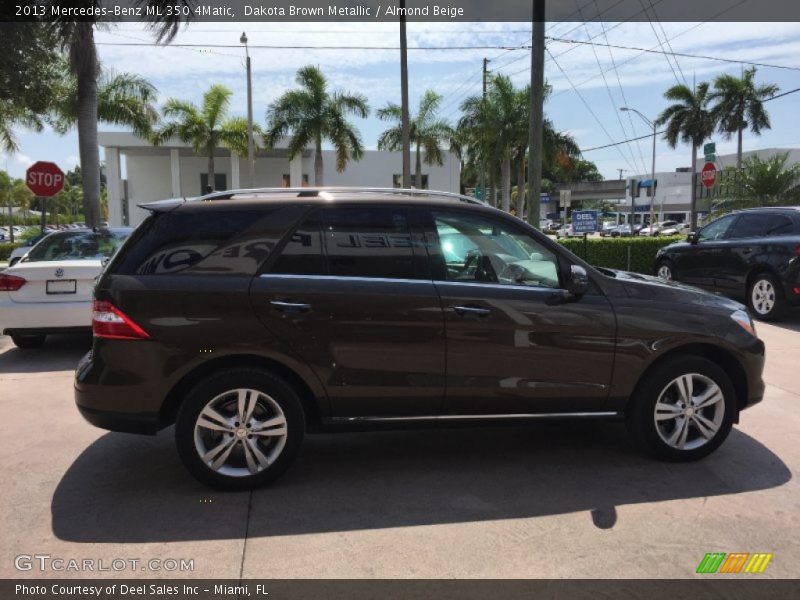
[543, 500]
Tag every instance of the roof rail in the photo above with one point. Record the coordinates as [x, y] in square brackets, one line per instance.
[316, 191]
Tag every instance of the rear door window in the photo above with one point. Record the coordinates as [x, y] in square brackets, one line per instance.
[761, 224]
[302, 253]
[368, 241]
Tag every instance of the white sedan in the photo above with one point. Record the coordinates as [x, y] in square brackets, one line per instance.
[50, 290]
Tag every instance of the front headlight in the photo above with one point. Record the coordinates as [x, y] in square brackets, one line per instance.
[745, 321]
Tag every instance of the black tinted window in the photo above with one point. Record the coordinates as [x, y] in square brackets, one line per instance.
[368, 242]
[206, 240]
[778, 225]
[761, 224]
[302, 254]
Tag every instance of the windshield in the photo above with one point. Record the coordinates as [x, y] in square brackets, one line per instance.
[78, 245]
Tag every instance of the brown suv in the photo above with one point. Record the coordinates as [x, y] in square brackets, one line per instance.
[249, 318]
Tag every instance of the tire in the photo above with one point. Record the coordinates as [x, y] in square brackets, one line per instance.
[662, 438]
[245, 460]
[664, 270]
[765, 298]
[28, 341]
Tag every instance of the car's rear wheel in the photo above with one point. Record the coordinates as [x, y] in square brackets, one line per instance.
[664, 270]
[765, 298]
[683, 410]
[28, 341]
[239, 429]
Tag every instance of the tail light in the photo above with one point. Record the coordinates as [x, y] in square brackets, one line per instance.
[797, 250]
[11, 283]
[110, 322]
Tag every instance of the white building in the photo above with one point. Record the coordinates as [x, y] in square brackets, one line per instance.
[174, 170]
[673, 189]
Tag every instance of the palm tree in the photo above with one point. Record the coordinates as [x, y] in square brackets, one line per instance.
[689, 120]
[13, 116]
[77, 38]
[206, 127]
[122, 99]
[312, 114]
[740, 106]
[427, 132]
[767, 182]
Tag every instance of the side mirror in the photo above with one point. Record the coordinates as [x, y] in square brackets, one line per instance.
[578, 282]
[692, 238]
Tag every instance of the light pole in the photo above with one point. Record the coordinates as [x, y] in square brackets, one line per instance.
[652, 125]
[251, 159]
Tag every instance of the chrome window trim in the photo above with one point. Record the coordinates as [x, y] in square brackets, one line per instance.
[500, 286]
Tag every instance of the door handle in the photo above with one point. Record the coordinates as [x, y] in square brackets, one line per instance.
[290, 306]
[472, 310]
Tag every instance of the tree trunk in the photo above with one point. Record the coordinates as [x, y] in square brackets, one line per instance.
[739, 151]
[84, 61]
[505, 176]
[491, 197]
[211, 174]
[318, 166]
[418, 174]
[521, 187]
[693, 194]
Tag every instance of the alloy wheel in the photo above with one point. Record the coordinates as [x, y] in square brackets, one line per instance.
[689, 411]
[664, 272]
[763, 296]
[240, 432]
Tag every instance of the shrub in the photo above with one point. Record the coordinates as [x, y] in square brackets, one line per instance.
[636, 254]
[6, 250]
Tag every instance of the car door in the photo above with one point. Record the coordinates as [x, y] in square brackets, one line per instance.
[351, 294]
[513, 345]
[740, 249]
[698, 263]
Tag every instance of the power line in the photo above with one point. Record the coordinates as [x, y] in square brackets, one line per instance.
[310, 47]
[642, 137]
[658, 39]
[589, 108]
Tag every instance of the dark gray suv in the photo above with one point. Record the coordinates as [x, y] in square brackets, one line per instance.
[250, 318]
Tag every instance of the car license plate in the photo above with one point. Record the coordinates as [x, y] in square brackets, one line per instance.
[58, 286]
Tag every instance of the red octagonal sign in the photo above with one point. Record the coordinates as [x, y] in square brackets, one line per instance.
[44, 178]
[709, 175]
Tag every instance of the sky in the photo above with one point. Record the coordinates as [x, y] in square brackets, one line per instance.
[590, 83]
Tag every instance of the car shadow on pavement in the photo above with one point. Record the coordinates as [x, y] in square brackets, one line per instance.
[59, 353]
[791, 322]
[133, 489]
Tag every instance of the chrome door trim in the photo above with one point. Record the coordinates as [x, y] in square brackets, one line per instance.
[444, 418]
[339, 278]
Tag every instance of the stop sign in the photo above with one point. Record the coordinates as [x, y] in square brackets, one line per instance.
[709, 175]
[44, 178]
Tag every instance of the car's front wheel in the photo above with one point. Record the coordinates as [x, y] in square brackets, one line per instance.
[239, 429]
[664, 270]
[765, 298]
[28, 341]
[683, 410]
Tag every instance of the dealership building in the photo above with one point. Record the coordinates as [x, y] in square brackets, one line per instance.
[139, 172]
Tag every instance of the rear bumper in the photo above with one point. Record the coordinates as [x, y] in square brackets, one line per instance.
[44, 317]
[121, 398]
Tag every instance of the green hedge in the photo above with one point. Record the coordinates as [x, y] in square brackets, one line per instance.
[6, 250]
[614, 253]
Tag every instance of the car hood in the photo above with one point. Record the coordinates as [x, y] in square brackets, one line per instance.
[648, 287]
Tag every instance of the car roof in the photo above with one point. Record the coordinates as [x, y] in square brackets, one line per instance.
[319, 195]
[112, 230]
[781, 209]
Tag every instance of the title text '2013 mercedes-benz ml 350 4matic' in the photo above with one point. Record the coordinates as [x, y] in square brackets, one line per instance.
[250, 318]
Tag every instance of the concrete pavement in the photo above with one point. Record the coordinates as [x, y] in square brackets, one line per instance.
[541, 500]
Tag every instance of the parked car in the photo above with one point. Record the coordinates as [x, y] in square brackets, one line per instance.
[50, 289]
[566, 231]
[249, 319]
[625, 230]
[657, 228]
[19, 252]
[677, 229]
[751, 255]
[607, 228]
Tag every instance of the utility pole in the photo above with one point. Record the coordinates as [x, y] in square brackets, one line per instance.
[621, 172]
[483, 166]
[251, 159]
[537, 114]
[404, 99]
